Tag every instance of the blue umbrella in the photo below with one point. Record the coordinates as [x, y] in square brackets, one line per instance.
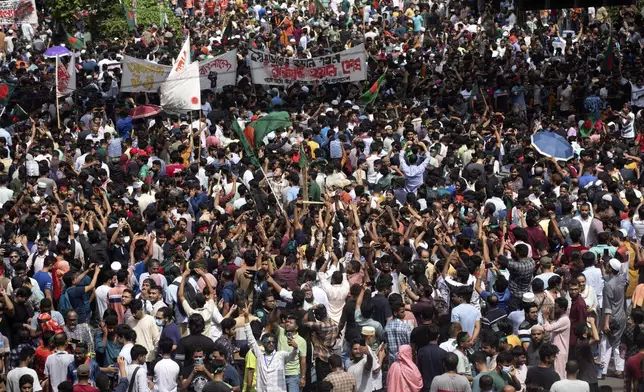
[552, 145]
[57, 51]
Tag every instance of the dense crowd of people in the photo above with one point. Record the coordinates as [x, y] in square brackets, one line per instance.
[419, 242]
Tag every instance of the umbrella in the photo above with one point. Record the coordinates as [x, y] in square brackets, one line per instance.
[145, 111]
[57, 51]
[552, 145]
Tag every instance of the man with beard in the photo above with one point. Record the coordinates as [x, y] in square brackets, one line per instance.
[365, 366]
[270, 362]
[107, 347]
[77, 333]
[536, 341]
[80, 358]
[578, 312]
[543, 374]
[531, 311]
[590, 225]
[559, 329]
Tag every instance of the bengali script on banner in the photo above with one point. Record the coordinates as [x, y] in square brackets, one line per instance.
[146, 76]
[219, 71]
[142, 76]
[346, 66]
[18, 11]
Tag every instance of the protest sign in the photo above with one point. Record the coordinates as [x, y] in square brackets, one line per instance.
[145, 76]
[346, 66]
[18, 11]
[219, 71]
[142, 75]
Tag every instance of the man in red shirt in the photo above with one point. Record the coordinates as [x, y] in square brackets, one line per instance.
[83, 380]
[46, 347]
[633, 370]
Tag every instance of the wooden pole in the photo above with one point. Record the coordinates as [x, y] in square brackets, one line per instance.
[305, 181]
[57, 108]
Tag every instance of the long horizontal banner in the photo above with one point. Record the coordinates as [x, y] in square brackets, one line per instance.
[146, 76]
[346, 66]
[18, 11]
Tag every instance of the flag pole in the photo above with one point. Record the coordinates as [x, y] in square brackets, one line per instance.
[277, 199]
[57, 108]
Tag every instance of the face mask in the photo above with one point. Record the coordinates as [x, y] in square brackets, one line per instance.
[159, 323]
[507, 369]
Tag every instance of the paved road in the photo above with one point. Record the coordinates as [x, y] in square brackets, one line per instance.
[617, 384]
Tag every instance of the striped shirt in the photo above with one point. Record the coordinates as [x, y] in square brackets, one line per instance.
[114, 299]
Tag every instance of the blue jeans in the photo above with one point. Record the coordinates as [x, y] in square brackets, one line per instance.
[293, 383]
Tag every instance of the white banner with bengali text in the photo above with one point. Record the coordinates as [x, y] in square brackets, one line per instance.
[146, 76]
[18, 11]
[347, 66]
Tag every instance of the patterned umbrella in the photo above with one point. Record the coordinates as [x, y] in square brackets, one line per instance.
[145, 111]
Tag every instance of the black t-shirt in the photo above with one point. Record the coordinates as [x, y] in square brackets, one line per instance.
[381, 309]
[542, 377]
[199, 380]
[217, 386]
[187, 345]
[420, 336]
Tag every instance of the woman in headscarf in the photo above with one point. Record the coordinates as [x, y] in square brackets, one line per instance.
[403, 375]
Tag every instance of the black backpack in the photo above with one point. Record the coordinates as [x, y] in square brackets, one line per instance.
[189, 293]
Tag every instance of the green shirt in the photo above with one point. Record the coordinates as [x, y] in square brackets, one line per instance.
[499, 381]
[293, 367]
[314, 191]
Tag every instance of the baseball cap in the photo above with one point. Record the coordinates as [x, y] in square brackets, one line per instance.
[546, 262]
[83, 370]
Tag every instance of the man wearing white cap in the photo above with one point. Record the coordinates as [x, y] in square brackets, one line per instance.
[614, 317]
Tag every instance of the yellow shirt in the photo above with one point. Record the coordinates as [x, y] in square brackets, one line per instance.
[513, 340]
[250, 363]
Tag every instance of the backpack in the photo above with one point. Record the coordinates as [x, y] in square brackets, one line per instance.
[64, 304]
[47, 323]
[189, 294]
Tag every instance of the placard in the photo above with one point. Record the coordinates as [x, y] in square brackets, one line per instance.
[18, 11]
[146, 76]
[346, 66]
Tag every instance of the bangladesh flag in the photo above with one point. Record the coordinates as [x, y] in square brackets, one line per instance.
[609, 58]
[228, 32]
[129, 17]
[370, 95]
[248, 150]
[18, 114]
[304, 159]
[75, 43]
[6, 89]
[473, 95]
[319, 7]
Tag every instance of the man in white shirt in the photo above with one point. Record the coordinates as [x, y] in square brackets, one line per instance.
[627, 119]
[147, 333]
[6, 194]
[166, 370]
[56, 364]
[26, 358]
[137, 374]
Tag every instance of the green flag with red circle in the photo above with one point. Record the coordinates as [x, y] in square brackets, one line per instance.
[6, 89]
[370, 95]
[75, 43]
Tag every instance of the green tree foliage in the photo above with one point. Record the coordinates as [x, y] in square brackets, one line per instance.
[106, 18]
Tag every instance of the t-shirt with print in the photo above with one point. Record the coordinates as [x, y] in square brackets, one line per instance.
[200, 378]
